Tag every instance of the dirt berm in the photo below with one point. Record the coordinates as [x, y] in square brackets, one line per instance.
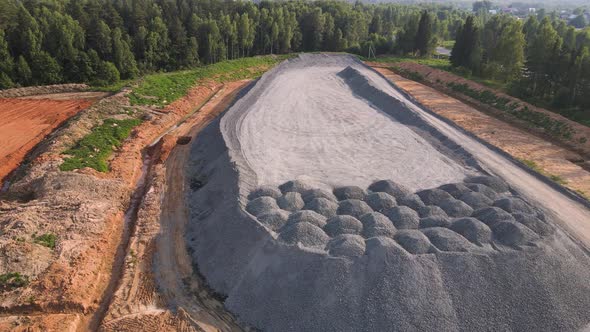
[325, 200]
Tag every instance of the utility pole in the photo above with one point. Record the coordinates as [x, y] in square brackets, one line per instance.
[371, 51]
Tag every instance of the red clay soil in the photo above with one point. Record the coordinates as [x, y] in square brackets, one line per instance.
[24, 123]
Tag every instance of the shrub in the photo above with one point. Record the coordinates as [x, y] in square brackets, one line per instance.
[12, 280]
[555, 128]
[48, 240]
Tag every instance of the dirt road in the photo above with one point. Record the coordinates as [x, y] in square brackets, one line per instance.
[575, 217]
[174, 269]
[159, 290]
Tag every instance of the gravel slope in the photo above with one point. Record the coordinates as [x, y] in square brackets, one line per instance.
[287, 221]
[307, 123]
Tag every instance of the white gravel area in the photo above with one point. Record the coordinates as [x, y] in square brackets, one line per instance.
[308, 124]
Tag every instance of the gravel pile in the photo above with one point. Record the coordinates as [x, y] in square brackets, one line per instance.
[440, 259]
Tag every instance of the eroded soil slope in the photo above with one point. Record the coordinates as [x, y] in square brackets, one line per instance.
[26, 122]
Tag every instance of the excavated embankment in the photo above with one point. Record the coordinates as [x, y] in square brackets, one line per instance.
[323, 200]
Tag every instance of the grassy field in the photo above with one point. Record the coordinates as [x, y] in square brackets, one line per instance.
[164, 88]
[95, 148]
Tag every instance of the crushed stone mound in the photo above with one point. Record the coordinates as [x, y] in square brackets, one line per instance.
[380, 201]
[413, 241]
[492, 215]
[346, 245]
[292, 280]
[446, 240]
[456, 208]
[431, 210]
[495, 183]
[262, 205]
[350, 192]
[514, 204]
[323, 206]
[535, 224]
[343, 225]
[274, 219]
[295, 186]
[412, 201]
[403, 217]
[353, 207]
[434, 221]
[307, 216]
[513, 234]
[433, 196]
[291, 201]
[265, 191]
[455, 189]
[312, 194]
[473, 230]
[305, 233]
[376, 224]
[481, 188]
[390, 187]
[476, 200]
[381, 246]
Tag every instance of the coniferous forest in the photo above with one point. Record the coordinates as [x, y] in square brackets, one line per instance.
[101, 42]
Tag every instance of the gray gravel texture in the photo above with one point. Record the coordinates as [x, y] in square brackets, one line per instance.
[529, 276]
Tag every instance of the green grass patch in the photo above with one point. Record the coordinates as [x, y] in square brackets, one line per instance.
[95, 148]
[410, 74]
[12, 280]
[163, 88]
[448, 44]
[438, 63]
[47, 240]
[533, 165]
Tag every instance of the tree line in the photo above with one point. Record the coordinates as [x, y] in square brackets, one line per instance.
[102, 41]
[543, 60]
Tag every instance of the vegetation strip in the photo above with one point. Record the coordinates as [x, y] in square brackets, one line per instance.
[555, 128]
[164, 88]
[95, 148]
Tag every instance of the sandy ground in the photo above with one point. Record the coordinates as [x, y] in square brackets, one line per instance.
[282, 262]
[27, 122]
[520, 144]
[308, 124]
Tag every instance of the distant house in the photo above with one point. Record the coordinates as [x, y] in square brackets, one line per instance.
[493, 11]
[532, 10]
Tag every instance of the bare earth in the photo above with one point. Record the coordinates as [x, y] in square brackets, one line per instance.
[26, 122]
[159, 289]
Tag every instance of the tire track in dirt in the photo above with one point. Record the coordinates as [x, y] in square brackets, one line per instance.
[158, 289]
